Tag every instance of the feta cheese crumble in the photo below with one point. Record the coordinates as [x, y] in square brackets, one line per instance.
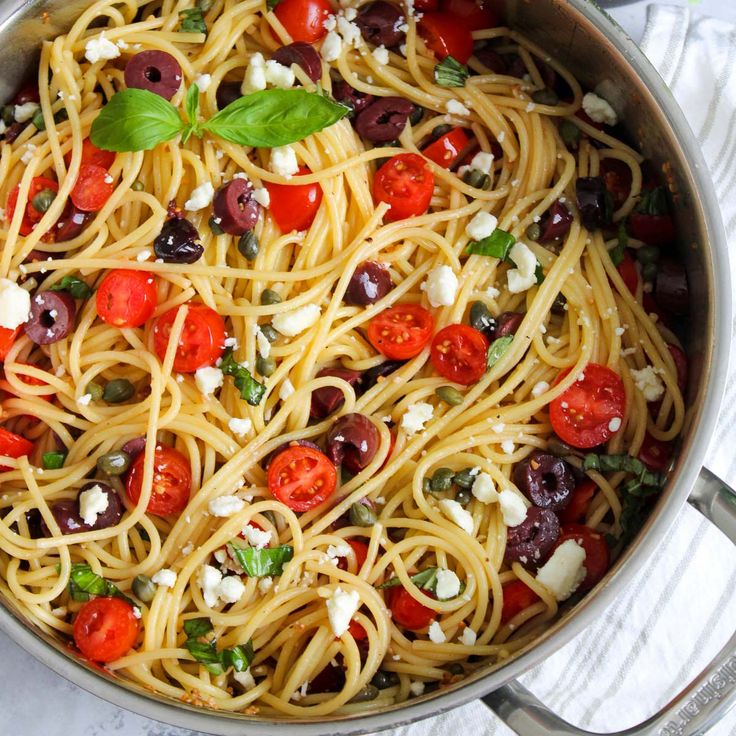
[341, 607]
[564, 571]
[23, 113]
[416, 416]
[225, 506]
[484, 489]
[208, 379]
[441, 286]
[447, 585]
[100, 49]
[297, 320]
[435, 633]
[599, 110]
[482, 161]
[522, 277]
[279, 75]
[481, 226]
[457, 514]
[331, 46]
[513, 509]
[455, 107]
[286, 389]
[215, 587]
[203, 81]
[416, 687]
[468, 637]
[262, 196]
[165, 578]
[615, 424]
[283, 161]
[540, 388]
[255, 74]
[240, 427]
[334, 552]
[649, 383]
[92, 502]
[258, 538]
[15, 304]
[380, 54]
[200, 197]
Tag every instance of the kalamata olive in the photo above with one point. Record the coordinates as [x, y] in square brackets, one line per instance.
[372, 376]
[329, 399]
[351, 97]
[71, 223]
[330, 680]
[26, 94]
[507, 323]
[235, 207]
[594, 202]
[13, 131]
[66, 514]
[178, 242]
[384, 119]
[379, 23]
[546, 480]
[530, 541]
[370, 282]
[287, 445]
[52, 317]
[114, 511]
[226, 93]
[491, 59]
[134, 447]
[302, 54]
[555, 222]
[352, 442]
[155, 71]
[34, 520]
[671, 289]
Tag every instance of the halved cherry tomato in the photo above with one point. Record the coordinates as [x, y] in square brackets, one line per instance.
[126, 298]
[445, 150]
[617, 176]
[172, 481]
[406, 183]
[627, 269]
[202, 338]
[31, 215]
[516, 597]
[475, 15]
[7, 338]
[681, 363]
[655, 454]
[93, 155]
[407, 611]
[402, 331]
[597, 556]
[425, 5]
[459, 354]
[294, 206]
[361, 552]
[94, 186]
[304, 19]
[652, 229]
[576, 510]
[357, 631]
[105, 629]
[445, 36]
[301, 478]
[13, 445]
[582, 415]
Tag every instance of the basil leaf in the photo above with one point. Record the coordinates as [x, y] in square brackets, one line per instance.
[196, 627]
[76, 287]
[205, 653]
[191, 105]
[53, 460]
[539, 273]
[250, 389]
[425, 580]
[654, 202]
[135, 120]
[192, 21]
[275, 117]
[84, 583]
[617, 252]
[645, 478]
[261, 563]
[497, 245]
[450, 73]
[497, 349]
[239, 657]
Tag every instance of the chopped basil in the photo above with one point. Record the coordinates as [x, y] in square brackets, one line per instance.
[76, 287]
[192, 21]
[617, 252]
[425, 580]
[205, 652]
[261, 563]
[539, 273]
[53, 460]
[497, 349]
[191, 105]
[84, 583]
[450, 73]
[654, 202]
[249, 388]
[497, 245]
[196, 627]
[625, 463]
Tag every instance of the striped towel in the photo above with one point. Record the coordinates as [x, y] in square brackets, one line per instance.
[681, 608]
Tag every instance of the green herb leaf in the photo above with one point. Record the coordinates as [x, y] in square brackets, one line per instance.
[539, 273]
[497, 245]
[275, 117]
[261, 563]
[425, 580]
[84, 583]
[271, 4]
[191, 105]
[249, 388]
[239, 657]
[192, 21]
[76, 287]
[617, 252]
[450, 73]
[497, 349]
[206, 653]
[654, 202]
[53, 460]
[196, 627]
[135, 120]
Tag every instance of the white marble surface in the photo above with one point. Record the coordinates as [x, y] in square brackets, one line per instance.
[34, 701]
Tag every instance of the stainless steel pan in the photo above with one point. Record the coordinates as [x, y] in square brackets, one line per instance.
[590, 43]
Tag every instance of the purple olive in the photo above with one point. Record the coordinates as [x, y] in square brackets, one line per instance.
[34, 520]
[370, 282]
[507, 323]
[177, 242]
[52, 317]
[546, 480]
[226, 93]
[66, 514]
[13, 131]
[530, 541]
[235, 209]
[294, 443]
[594, 202]
[380, 23]
[384, 119]
[155, 71]
[302, 54]
[373, 375]
[114, 511]
[135, 446]
[671, 289]
[329, 399]
[351, 97]
[352, 442]
[71, 223]
[492, 60]
[555, 222]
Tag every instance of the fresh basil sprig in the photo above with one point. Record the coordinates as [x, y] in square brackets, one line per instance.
[76, 287]
[250, 389]
[83, 583]
[261, 563]
[53, 460]
[497, 245]
[192, 21]
[204, 650]
[496, 350]
[425, 580]
[450, 73]
[191, 105]
[646, 482]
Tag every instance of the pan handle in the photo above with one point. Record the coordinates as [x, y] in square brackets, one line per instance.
[694, 710]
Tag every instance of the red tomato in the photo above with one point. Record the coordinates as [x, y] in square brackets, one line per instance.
[301, 478]
[361, 552]
[445, 150]
[304, 19]
[93, 155]
[476, 16]
[402, 331]
[576, 510]
[294, 206]
[202, 338]
[356, 630]
[424, 5]
[617, 176]
[597, 557]
[655, 454]
[680, 359]
[516, 597]
[13, 445]
[627, 269]
[446, 37]
[126, 298]
[406, 183]
[172, 481]
[7, 338]
[31, 215]
[652, 229]
[94, 186]
[581, 415]
[407, 611]
[459, 354]
[105, 629]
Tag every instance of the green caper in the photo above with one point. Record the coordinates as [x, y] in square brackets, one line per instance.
[8, 114]
[570, 133]
[144, 588]
[480, 317]
[94, 390]
[647, 254]
[215, 226]
[441, 480]
[38, 120]
[118, 390]
[464, 478]
[383, 679]
[137, 186]
[114, 463]
[440, 130]
[269, 296]
[559, 304]
[248, 245]
[369, 692]
[362, 515]
[649, 271]
[142, 533]
[416, 115]
[449, 395]
[61, 115]
[476, 178]
[269, 332]
[546, 97]
[455, 668]
[265, 366]
[426, 486]
[43, 200]
[534, 231]
[463, 497]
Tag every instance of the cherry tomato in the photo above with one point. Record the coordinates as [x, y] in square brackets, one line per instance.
[7, 338]
[445, 150]
[93, 155]
[301, 478]
[13, 445]
[361, 552]
[516, 597]
[597, 557]
[425, 5]
[304, 19]
[172, 481]
[582, 415]
[652, 229]
[617, 176]
[407, 611]
[356, 630]
[126, 298]
[202, 338]
[105, 629]
[474, 15]
[31, 215]
[406, 183]
[680, 359]
[402, 331]
[294, 206]
[576, 510]
[627, 269]
[446, 37]
[459, 354]
[655, 454]
[94, 186]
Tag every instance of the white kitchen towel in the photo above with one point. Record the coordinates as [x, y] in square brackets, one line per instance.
[681, 608]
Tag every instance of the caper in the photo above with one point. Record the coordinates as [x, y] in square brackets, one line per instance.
[215, 226]
[426, 486]
[265, 366]
[440, 130]
[248, 245]
[570, 133]
[383, 679]
[114, 463]
[559, 304]
[464, 478]
[441, 480]
[8, 114]
[649, 271]
[144, 588]
[43, 200]
[362, 515]
[94, 390]
[455, 668]
[269, 296]
[269, 332]
[463, 497]
[647, 254]
[142, 533]
[534, 231]
[476, 178]
[449, 395]
[546, 97]
[38, 120]
[369, 692]
[118, 390]
[416, 114]
[137, 186]
[61, 115]
[480, 317]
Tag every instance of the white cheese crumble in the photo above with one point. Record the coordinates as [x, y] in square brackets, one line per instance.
[23, 113]
[564, 571]
[100, 48]
[245, 679]
[615, 424]
[224, 506]
[481, 226]
[240, 427]
[482, 161]
[380, 54]
[457, 514]
[540, 388]
[599, 110]
[262, 343]
[331, 46]
[200, 197]
[513, 508]
[258, 538]
[508, 447]
[484, 489]
[416, 687]
[441, 286]
[255, 75]
[522, 277]
[435, 633]
[649, 383]
[283, 161]
[26, 158]
[279, 75]
[334, 552]
[262, 196]
[286, 389]
[447, 585]
[341, 607]
[165, 578]
[208, 379]
[203, 81]
[143, 255]
[15, 304]
[455, 107]
[416, 416]
[264, 585]
[468, 637]
[231, 589]
[92, 502]
[84, 400]
[297, 320]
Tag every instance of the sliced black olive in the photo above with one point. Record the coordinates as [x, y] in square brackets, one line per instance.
[370, 282]
[530, 541]
[155, 71]
[52, 317]
[546, 480]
